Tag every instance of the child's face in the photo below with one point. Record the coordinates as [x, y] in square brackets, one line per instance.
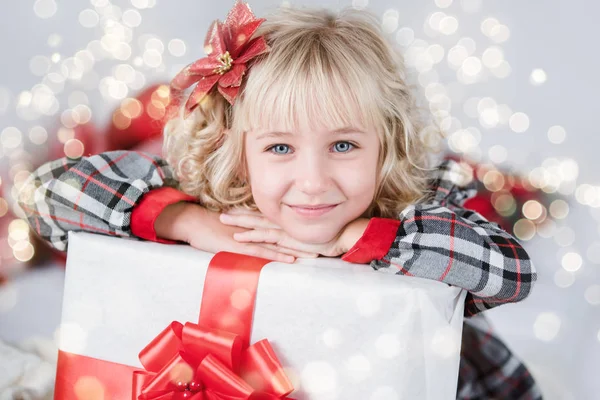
[309, 167]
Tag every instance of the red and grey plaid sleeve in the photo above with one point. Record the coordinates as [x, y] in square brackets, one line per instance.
[441, 240]
[489, 369]
[94, 194]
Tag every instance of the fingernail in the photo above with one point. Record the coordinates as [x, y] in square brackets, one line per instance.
[224, 217]
[236, 235]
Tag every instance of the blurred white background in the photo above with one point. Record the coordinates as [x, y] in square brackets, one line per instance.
[515, 83]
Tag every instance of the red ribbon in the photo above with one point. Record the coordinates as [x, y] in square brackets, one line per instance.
[211, 360]
[199, 363]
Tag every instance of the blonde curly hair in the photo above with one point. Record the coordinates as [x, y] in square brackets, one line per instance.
[323, 67]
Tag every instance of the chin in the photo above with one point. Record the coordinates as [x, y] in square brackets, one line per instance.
[314, 234]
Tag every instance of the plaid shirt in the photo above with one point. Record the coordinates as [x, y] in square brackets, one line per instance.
[437, 239]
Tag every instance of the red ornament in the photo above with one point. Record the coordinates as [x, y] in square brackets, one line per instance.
[152, 146]
[79, 141]
[140, 119]
[482, 203]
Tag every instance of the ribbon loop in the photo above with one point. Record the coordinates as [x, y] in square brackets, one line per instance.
[200, 342]
[205, 361]
[262, 369]
[215, 374]
[162, 348]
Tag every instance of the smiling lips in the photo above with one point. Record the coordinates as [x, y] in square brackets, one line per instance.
[312, 206]
[313, 211]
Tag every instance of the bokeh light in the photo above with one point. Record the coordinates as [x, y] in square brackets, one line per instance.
[132, 18]
[45, 8]
[564, 279]
[557, 134]
[388, 346]
[538, 77]
[390, 20]
[564, 236]
[592, 295]
[547, 326]
[332, 338]
[89, 18]
[519, 122]
[524, 229]
[360, 4]
[89, 387]
[571, 262]
[318, 377]
[368, 304]
[443, 3]
[559, 209]
[358, 367]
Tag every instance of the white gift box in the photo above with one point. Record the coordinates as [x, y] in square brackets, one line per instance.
[341, 330]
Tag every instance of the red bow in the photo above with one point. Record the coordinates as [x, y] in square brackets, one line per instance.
[192, 362]
[229, 47]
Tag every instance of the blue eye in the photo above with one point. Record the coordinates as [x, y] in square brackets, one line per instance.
[277, 146]
[348, 145]
[345, 148]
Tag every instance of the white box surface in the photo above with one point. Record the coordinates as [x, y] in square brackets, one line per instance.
[342, 330]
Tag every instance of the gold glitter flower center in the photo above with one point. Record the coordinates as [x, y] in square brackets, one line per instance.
[226, 61]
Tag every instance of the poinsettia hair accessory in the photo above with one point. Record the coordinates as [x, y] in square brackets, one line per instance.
[230, 47]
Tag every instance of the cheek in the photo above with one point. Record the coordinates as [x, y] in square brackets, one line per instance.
[360, 182]
[268, 184]
[263, 180]
[267, 191]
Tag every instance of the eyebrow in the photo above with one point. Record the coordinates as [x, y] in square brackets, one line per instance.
[345, 130]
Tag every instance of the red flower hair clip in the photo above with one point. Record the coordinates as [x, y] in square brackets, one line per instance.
[229, 47]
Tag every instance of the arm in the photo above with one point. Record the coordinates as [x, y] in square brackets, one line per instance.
[441, 240]
[95, 194]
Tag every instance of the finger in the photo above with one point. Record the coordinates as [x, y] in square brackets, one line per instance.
[293, 252]
[247, 221]
[259, 236]
[242, 211]
[275, 237]
[262, 252]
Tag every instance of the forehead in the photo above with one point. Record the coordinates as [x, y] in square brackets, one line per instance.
[348, 131]
[277, 99]
[312, 113]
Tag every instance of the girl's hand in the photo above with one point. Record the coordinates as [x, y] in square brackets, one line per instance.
[201, 228]
[262, 230]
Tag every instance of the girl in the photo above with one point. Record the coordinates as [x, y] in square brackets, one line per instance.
[303, 130]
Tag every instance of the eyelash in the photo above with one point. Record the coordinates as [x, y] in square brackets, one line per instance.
[270, 148]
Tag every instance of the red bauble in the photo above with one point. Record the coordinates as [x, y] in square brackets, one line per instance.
[152, 146]
[82, 140]
[140, 119]
[483, 205]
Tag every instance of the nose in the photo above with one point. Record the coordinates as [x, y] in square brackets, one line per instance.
[313, 175]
